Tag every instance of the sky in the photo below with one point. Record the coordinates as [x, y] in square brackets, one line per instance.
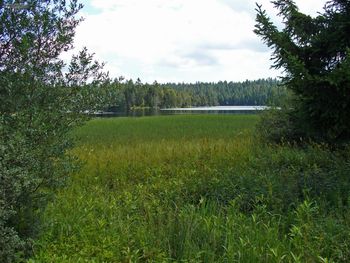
[179, 40]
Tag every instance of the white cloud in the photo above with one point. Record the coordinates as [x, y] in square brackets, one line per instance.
[179, 40]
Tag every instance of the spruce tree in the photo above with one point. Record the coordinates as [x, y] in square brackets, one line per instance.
[314, 53]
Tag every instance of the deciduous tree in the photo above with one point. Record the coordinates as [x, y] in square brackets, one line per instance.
[41, 100]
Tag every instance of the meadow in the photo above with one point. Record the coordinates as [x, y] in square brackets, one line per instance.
[197, 188]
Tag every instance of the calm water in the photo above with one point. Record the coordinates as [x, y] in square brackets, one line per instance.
[220, 108]
[193, 110]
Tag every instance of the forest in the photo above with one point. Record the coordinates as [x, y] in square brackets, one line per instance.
[135, 94]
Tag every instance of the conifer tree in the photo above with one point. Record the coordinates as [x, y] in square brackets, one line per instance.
[314, 53]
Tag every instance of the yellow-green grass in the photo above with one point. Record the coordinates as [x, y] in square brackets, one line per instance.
[126, 130]
[189, 188]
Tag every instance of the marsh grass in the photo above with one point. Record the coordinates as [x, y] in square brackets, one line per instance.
[197, 189]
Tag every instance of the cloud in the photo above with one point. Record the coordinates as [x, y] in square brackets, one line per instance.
[310, 7]
[184, 40]
[202, 58]
[240, 6]
[253, 44]
[196, 58]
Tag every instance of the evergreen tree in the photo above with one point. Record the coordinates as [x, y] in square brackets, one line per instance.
[314, 52]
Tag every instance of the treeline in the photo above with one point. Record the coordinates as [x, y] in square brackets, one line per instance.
[256, 92]
[132, 95]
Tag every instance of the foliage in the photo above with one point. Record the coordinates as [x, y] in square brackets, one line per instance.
[278, 124]
[138, 95]
[41, 100]
[249, 92]
[314, 52]
[197, 188]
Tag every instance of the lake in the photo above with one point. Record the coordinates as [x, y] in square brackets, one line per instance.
[219, 108]
[191, 110]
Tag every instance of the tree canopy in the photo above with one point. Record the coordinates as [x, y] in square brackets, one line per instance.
[314, 53]
[132, 94]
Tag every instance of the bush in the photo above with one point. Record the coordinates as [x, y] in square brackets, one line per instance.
[39, 105]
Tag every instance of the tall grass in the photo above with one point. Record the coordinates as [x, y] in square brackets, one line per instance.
[197, 189]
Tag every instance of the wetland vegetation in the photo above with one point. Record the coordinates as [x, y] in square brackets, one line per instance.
[197, 188]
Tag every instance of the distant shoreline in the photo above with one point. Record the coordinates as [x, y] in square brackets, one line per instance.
[219, 108]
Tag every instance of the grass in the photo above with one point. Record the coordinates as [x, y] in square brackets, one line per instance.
[157, 128]
[197, 188]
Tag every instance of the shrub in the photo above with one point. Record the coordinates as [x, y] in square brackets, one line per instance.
[38, 106]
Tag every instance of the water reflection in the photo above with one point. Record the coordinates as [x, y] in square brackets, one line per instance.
[194, 110]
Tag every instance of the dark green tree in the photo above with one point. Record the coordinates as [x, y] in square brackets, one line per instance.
[314, 53]
[41, 100]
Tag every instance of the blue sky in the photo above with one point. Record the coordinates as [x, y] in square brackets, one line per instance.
[179, 40]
